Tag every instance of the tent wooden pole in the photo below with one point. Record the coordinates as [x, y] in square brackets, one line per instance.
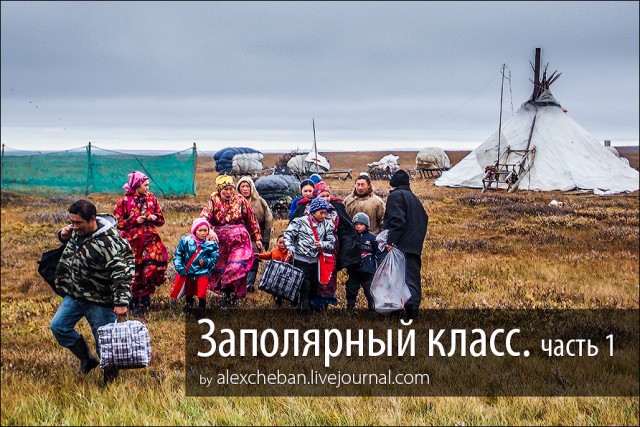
[500, 120]
[315, 145]
[536, 75]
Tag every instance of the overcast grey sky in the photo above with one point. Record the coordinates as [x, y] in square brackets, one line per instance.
[373, 75]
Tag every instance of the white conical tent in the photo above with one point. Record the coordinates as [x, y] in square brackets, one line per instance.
[316, 162]
[317, 159]
[567, 157]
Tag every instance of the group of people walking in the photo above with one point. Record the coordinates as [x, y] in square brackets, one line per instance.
[113, 264]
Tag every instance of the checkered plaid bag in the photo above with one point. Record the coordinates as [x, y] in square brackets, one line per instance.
[124, 345]
[281, 279]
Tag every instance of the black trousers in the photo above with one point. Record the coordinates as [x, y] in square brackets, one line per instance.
[356, 280]
[251, 274]
[309, 284]
[412, 278]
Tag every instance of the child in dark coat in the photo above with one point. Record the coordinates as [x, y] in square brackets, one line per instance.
[362, 275]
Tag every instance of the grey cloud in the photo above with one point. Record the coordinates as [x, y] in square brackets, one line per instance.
[368, 68]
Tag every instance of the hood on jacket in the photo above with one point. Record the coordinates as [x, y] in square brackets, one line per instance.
[105, 222]
[253, 196]
[369, 193]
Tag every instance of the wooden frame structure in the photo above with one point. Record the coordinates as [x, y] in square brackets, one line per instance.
[431, 172]
[509, 172]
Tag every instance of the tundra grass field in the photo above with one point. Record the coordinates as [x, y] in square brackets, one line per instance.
[493, 250]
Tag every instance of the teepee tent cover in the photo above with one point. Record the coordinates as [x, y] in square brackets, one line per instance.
[299, 164]
[311, 162]
[314, 159]
[567, 157]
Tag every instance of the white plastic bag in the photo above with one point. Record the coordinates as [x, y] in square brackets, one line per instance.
[388, 288]
[382, 240]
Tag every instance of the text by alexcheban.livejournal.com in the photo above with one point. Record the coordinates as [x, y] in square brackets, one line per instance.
[442, 353]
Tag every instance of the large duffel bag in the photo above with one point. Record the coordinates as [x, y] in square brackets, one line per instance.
[281, 279]
[124, 345]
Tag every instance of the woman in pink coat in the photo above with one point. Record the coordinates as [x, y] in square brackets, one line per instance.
[234, 227]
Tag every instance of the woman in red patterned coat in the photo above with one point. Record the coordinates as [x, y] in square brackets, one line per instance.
[234, 225]
[138, 213]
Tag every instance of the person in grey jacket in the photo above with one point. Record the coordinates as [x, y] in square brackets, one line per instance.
[301, 243]
[95, 274]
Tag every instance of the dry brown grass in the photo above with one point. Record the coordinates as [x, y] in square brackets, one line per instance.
[632, 154]
[482, 250]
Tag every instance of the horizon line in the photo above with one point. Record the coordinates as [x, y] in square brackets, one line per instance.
[273, 151]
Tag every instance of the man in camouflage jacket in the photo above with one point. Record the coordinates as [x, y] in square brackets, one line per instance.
[94, 274]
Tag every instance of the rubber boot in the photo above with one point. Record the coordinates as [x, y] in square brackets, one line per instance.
[251, 279]
[411, 312]
[233, 299]
[229, 299]
[134, 306]
[303, 307]
[224, 298]
[201, 310]
[188, 305]
[145, 303]
[110, 375]
[88, 361]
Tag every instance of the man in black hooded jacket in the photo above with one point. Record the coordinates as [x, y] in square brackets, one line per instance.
[406, 220]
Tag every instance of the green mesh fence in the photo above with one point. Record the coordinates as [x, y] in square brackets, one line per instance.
[94, 170]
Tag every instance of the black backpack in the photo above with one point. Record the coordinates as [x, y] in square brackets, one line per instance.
[47, 266]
